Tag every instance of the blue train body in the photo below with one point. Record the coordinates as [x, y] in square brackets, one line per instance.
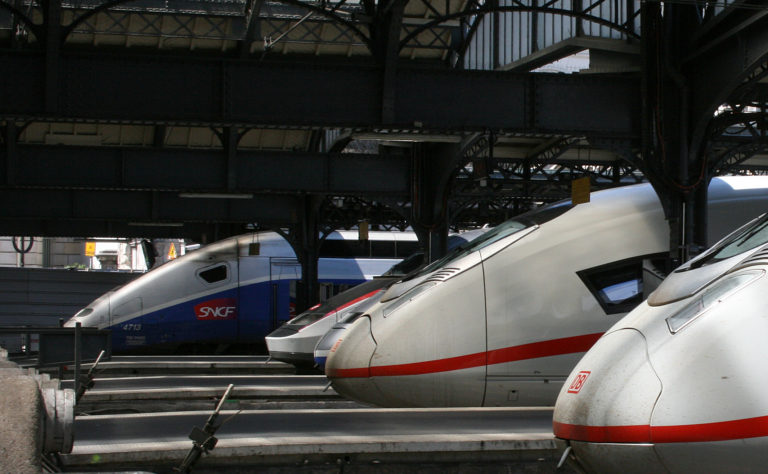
[229, 292]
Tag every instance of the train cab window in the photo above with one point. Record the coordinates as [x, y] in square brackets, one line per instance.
[406, 248]
[382, 248]
[618, 286]
[214, 274]
[344, 248]
[405, 267]
[501, 231]
[747, 238]
[84, 312]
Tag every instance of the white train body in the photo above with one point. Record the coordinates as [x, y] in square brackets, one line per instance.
[675, 386]
[295, 341]
[236, 290]
[503, 323]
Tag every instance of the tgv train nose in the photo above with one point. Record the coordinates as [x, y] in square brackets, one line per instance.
[348, 362]
[606, 404]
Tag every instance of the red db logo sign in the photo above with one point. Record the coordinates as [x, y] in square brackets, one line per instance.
[216, 310]
[578, 381]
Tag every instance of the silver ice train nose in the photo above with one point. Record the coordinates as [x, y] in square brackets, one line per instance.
[606, 406]
[349, 369]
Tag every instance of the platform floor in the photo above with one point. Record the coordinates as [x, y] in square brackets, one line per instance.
[286, 437]
[140, 412]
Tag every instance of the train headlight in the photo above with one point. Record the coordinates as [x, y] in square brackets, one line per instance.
[407, 297]
[710, 297]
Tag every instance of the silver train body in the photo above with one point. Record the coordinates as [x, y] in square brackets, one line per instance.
[675, 386]
[295, 341]
[503, 321]
[336, 332]
[234, 291]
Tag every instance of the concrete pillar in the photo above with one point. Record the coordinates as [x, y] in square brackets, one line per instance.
[36, 417]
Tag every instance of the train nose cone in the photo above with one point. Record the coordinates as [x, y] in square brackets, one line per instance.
[348, 363]
[604, 409]
[326, 343]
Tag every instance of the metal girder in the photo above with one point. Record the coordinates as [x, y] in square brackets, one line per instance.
[51, 212]
[215, 91]
[53, 227]
[207, 170]
[722, 62]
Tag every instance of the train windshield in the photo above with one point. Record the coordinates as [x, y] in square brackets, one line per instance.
[306, 319]
[747, 238]
[503, 230]
[406, 266]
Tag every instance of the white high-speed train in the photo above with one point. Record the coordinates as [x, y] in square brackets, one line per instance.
[503, 321]
[676, 385]
[294, 342]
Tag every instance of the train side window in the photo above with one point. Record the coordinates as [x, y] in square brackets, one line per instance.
[617, 286]
[215, 273]
[407, 248]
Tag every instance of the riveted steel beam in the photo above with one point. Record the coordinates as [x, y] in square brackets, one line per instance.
[209, 171]
[212, 91]
[72, 212]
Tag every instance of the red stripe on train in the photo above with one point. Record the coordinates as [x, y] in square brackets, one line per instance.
[554, 347]
[346, 305]
[701, 432]
[356, 300]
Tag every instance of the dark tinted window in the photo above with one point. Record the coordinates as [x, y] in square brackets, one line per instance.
[501, 231]
[407, 265]
[214, 274]
[344, 248]
[618, 286]
[748, 237]
[367, 248]
[305, 319]
[383, 248]
[407, 248]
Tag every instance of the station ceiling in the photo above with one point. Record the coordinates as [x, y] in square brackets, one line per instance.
[120, 117]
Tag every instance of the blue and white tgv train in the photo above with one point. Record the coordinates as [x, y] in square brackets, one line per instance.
[234, 291]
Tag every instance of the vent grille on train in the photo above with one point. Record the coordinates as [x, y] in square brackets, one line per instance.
[443, 274]
[758, 257]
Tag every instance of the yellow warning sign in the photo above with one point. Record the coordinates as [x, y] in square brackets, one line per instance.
[90, 249]
[580, 190]
[172, 252]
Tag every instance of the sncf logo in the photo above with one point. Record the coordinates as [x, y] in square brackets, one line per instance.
[578, 381]
[216, 310]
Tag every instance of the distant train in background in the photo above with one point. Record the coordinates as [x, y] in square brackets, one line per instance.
[503, 320]
[233, 292]
[677, 385]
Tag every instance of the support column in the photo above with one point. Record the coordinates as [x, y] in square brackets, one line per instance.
[11, 156]
[700, 219]
[387, 40]
[433, 166]
[230, 138]
[52, 12]
[670, 156]
[306, 244]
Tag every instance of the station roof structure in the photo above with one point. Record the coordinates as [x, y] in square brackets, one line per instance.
[201, 118]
